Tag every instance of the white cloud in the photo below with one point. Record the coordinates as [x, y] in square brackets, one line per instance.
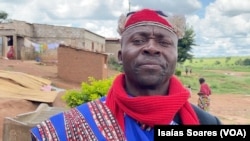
[233, 8]
[221, 26]
[225, 26]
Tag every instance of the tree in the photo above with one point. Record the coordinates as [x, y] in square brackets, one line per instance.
[227, 59]
[3, 15]
[185, 45]
[246, 62]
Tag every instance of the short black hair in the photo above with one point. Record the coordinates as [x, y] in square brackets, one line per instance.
[201, 80]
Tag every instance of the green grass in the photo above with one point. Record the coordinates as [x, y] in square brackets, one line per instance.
[217, 63]
[224, 77]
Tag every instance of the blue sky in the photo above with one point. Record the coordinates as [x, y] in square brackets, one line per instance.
[221, 26]
[201, 11]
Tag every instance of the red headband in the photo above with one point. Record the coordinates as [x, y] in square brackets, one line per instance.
[146, 15]
[175, 23]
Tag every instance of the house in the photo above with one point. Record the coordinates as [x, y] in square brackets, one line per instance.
[113, 46]
[29, 39]
[79, 53]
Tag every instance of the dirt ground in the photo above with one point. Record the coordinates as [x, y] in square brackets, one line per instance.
[230, 108]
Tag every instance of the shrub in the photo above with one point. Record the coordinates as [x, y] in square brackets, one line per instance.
[91, 90]
[246, 62]
[178, 72]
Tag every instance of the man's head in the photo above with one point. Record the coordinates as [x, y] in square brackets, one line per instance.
[149, 48]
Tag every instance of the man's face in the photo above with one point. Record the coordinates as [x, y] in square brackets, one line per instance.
[148, 55]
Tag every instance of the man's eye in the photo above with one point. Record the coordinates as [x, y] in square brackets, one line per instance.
[138, 42]
[164, 43]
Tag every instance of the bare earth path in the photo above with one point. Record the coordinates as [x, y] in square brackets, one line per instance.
[230, 108]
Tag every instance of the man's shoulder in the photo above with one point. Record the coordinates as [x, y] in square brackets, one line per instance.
[206, 118]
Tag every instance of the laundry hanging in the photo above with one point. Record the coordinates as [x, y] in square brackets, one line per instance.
[41, 48]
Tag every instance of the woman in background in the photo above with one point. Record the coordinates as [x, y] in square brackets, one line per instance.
[204, 93]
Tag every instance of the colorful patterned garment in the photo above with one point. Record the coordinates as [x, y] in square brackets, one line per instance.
[204, 102]
[109, 119]
[90, 122]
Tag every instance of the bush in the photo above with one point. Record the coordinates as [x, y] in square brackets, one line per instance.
[178, 72]
[91, 90]
[246, 62]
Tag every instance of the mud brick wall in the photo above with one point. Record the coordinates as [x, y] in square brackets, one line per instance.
[76, 65]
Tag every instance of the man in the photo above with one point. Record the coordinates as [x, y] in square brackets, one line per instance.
[146, 94]
[204, 93]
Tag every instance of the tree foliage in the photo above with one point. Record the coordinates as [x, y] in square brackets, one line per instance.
[3, 15]
[185, 45]
[246, 62]
[243, 62]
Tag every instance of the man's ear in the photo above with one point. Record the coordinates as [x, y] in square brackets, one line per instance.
[119, 57]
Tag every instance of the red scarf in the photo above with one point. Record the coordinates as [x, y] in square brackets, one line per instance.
[151, 110]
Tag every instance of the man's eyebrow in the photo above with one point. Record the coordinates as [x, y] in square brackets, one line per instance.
[159, 35]
[144, 33]
[139, 33]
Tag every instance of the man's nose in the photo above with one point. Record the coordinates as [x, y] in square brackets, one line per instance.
[151, 48]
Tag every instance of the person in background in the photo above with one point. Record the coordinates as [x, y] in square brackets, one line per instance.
[190, 90]
[190, 71]
[146, 94]
[186, 70]
[204, 93]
